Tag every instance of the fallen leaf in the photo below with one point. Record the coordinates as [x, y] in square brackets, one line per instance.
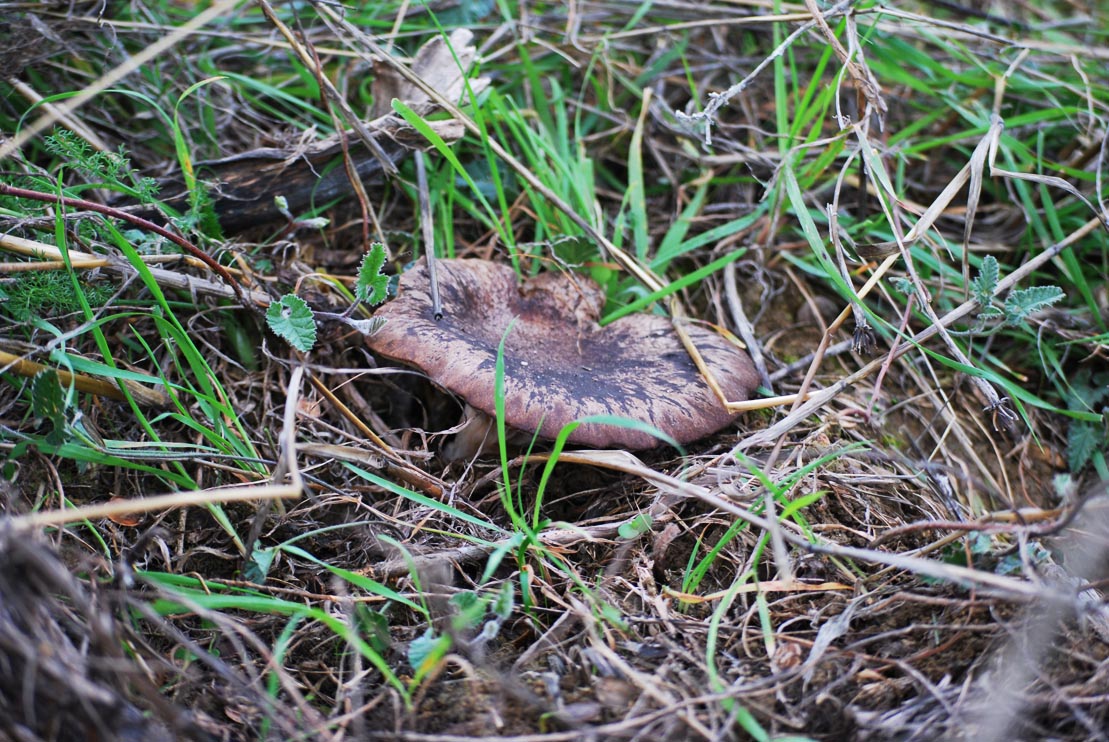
[442, 63]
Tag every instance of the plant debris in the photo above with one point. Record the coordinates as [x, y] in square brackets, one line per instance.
[915, 550]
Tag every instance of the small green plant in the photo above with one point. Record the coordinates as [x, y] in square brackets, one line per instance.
[985, 284]
[186, 594]
[293, 320]
[47, 293]
[473, 609]
[54, 408]
[1087, 440]
[1018, 306]
[110, 170]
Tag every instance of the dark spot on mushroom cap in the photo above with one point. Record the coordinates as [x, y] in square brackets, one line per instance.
[560, 365]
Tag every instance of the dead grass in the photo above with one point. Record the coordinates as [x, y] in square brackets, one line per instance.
[918, 552]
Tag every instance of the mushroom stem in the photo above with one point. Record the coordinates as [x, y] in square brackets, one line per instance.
[428, 234]
[473, 439]
[477, 436]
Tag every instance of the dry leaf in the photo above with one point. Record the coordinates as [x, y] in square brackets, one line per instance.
[441, 63]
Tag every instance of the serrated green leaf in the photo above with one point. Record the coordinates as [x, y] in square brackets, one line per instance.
[985, 284]
[1083, 439]
[373, 285]
[1020, 303]
[291, 318]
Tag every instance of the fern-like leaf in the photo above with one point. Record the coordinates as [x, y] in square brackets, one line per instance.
[985, 284]
[1083, 441]
[1022, 303]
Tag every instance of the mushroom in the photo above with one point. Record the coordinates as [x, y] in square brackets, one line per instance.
[560, 365]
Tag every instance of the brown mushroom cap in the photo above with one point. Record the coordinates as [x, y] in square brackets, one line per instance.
[560, 365]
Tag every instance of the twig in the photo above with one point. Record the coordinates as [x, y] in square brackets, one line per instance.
[73, 124]
[349, 167]
[147, 504]
[144, 395]
[286, 460]
[843, 346]
[394, 463]
[861, 74]
[557, 538]
[52, 257]
[719, 100]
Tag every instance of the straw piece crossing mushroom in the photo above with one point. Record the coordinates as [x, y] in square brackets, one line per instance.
[560, 364]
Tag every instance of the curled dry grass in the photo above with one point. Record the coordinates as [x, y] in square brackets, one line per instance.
[907, 555]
